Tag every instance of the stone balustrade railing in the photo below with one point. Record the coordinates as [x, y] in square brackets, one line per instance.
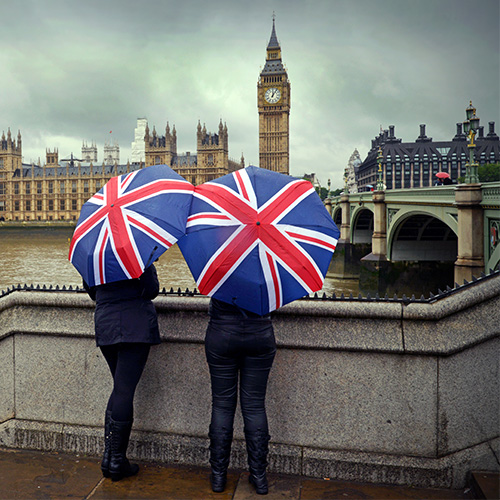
[391, 391]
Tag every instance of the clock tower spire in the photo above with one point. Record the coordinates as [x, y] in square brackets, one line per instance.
[273, 103]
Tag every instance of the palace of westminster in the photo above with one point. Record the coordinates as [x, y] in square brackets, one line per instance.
[57, 190]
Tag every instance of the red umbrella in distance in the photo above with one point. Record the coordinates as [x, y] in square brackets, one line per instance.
[442, 175]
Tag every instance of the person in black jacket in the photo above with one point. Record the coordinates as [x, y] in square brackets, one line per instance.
[126, 325]
[241, 344]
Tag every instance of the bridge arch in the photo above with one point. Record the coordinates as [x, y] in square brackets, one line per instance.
[493, 237]
[413, 236]
[337, 215]
[361, 225]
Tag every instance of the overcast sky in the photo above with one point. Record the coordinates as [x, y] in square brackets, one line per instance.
[72, 71]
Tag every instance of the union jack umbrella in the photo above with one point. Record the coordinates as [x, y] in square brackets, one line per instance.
[258, 239]
[129, 223]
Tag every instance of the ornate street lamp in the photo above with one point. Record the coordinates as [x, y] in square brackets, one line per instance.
[380, 182]
[471, 125]
[328, 194]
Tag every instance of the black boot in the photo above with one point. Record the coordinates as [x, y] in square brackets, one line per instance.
[119, 466]
[257, 449]
[107, 444]
[220, 450]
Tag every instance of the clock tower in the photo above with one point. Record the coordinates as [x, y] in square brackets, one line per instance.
[273, 102]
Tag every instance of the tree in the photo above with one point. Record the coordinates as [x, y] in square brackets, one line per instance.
[489, 172]
[323, 193]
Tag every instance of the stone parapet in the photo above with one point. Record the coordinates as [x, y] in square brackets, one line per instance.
[393, 391]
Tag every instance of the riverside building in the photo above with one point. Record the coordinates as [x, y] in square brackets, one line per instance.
[415, 164]
[57, 190]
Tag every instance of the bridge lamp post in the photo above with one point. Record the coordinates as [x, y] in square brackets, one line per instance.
[380, 182]
[471, 125]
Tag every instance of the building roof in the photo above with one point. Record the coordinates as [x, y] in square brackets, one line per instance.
[83, 170]
[273, 41]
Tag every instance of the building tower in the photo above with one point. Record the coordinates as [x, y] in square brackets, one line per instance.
[273, 102]
[160, 150]
[89, 153]
[10, 163]
[111, 153]
[138, 146]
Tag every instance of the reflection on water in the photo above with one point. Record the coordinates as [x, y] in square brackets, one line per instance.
[40, 256]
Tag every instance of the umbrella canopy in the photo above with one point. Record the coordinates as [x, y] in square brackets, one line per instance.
[129, 223]
[442, 175]
[258, 239]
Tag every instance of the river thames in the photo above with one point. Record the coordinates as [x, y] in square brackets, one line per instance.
[39, 256]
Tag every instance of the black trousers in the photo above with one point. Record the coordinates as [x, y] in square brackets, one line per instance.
[241, 349]
[126, 362]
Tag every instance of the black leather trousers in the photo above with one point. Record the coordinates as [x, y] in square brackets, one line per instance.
[244, 349]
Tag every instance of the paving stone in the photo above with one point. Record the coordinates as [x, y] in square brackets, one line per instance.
[30, 475]
[165, 482]
[38, 475]
[281, 487]
[330, 490]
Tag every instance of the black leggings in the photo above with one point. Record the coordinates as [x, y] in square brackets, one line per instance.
[126, 362]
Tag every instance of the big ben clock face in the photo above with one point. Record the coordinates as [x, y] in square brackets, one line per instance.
[272, 95]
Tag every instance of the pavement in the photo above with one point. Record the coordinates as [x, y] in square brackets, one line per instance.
[27, 475]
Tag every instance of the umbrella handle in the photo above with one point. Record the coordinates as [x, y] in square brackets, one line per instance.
[150, 257]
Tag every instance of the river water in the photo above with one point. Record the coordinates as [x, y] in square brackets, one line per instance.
[39, 256]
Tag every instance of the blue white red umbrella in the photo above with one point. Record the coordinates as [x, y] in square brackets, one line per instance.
[129, 223]
[258, 239]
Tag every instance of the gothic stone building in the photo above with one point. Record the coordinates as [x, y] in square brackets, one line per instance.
[57, 190]
[51, 192]
[211, 161]
[274, 103]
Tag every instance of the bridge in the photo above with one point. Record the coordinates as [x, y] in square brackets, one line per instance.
[451, 223]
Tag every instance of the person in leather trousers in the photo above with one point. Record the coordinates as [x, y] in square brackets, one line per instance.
[239, 344]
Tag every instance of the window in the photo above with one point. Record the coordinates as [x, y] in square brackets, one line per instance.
[85, 186]
[39, 188]
[73, 205]
[51, 205]
[39, 205]
[62, 187]
[62, 204]
[16, 188]
[2, 187]
[51, 187]
[28, 205]
[73, 186]
[157, 160]
[2, 206]
[28, 187]
[16, 205]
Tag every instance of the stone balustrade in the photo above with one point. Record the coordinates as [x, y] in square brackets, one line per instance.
[386, 391]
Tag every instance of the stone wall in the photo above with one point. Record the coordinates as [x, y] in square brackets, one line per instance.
[393, 391]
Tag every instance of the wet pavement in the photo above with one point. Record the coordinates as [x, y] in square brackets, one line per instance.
[27, 475]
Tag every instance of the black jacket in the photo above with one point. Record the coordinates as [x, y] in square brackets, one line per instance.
[124, 311]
